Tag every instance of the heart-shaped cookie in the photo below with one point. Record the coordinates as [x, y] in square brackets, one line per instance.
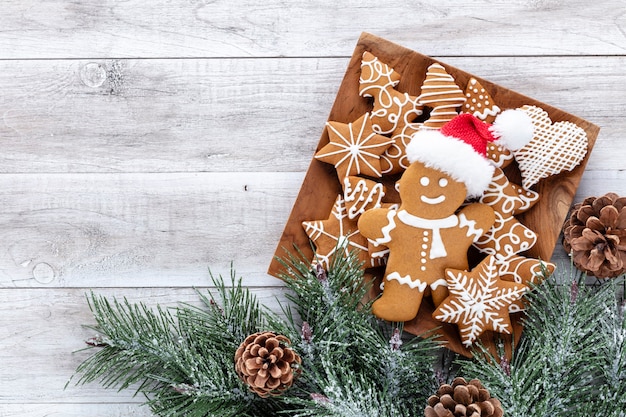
[554, 148]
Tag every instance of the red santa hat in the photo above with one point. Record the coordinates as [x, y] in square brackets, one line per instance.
[459, 148]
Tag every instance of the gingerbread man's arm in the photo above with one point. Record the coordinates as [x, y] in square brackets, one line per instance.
[375, 224]
[477, 218]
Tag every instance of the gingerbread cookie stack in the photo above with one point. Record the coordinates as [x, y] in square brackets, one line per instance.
[428, 179]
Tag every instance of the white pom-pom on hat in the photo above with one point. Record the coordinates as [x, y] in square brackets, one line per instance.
[512, 129]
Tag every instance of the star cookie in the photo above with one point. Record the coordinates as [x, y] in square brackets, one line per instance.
[337, 233]
[442, 95]
[479, 301]
[354, 148]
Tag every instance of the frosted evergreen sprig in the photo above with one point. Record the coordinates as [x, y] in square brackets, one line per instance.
[570, 360]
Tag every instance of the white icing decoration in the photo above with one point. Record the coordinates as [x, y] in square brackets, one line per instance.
[407, 281]
[433, 201]
[472, 230]
[441, 282]
[440, 92]
[361, 197]
[554, 148]
[477, 302]
[437, 248]
[386, 230]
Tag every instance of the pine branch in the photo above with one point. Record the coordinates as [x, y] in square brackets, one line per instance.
[182, 358]
[342, 344]
[559, 365]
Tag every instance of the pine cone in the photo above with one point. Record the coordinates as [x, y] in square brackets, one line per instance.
[463, 399]
[266, 363]
[595, 235]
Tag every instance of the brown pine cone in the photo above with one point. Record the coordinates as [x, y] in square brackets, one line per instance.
[463, 399]
[266, 363]
[595, 235]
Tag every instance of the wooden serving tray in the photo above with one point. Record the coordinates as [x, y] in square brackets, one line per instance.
[321, 185]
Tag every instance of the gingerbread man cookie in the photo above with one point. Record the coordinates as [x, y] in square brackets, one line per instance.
[427, 234]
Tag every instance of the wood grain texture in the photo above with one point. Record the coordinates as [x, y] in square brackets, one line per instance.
[225, 115]
[138, 230]
[143, 142]
[247, 28]
[74, 410]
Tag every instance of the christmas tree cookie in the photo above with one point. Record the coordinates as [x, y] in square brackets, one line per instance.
[442, 95]
[479, 102]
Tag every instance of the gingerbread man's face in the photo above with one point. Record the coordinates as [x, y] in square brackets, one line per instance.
[430, 193]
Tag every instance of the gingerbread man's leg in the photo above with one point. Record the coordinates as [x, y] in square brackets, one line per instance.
[398, 303]
[439, 294]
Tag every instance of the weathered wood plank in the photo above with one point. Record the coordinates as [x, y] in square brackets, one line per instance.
[240, 114]
[140, 229]
[133, 230]
[39, 330]
[74, 410]
[245, 28]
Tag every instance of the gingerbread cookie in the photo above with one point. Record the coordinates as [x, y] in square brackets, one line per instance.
[507, 236]
[337, 233]
[427, 234]
[522, 270]
[393, 110]
[555, 148]
[375, 76]
[442, 95]
[479, 102]
[499, 155]
[394, 160]
[354, 148]
[361, 194]
[479, 300]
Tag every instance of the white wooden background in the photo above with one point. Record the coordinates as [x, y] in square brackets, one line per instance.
[144, 142]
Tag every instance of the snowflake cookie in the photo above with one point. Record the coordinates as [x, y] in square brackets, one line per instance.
[479, 301]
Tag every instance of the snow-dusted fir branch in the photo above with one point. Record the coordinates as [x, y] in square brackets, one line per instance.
[570, 360]
[343, 345]
[180, 359]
